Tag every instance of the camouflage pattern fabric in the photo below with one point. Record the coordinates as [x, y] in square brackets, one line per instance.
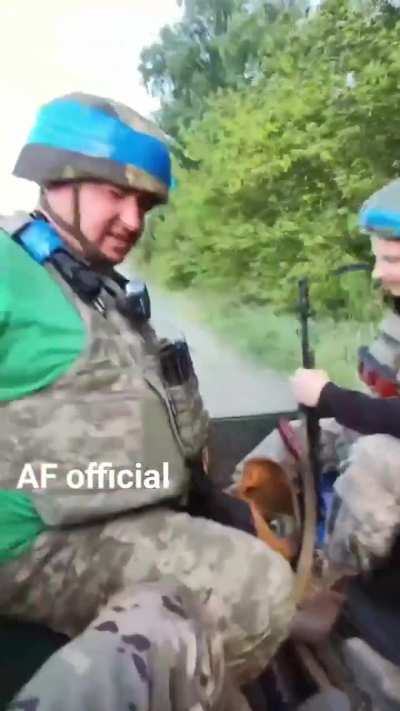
[191, 418]
[111, 406]
[71, 574]
[154, 650]
[47, 164]
[366, 516]
[114, 406]
[377, 677]
[333, 443]
[386, 346]
[368, 520]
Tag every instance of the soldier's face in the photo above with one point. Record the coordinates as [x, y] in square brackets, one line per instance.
[110, 217]
[387, 263]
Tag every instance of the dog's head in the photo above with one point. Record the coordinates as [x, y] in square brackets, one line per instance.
[265, 482]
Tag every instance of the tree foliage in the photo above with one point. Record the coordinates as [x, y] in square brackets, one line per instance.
[215, 46]
[285, 164]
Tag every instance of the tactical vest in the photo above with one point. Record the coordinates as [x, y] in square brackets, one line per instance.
[114, 407]
[379, 364]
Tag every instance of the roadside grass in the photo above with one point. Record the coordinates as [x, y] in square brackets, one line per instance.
[274, 340]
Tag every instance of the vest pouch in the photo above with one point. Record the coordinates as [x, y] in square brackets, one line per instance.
[102, 417]
[190, 416]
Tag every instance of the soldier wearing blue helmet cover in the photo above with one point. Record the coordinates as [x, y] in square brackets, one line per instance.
[87, 388]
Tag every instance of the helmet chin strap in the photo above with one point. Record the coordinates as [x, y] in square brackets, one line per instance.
[90, 251]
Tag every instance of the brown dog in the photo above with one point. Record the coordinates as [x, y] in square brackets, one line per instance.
[265, 488]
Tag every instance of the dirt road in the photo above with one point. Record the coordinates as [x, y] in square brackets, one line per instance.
[230, 383]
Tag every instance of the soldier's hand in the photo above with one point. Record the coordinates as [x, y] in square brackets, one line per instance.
[307, 385]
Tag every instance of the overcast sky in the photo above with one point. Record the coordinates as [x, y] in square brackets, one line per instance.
[45, 51]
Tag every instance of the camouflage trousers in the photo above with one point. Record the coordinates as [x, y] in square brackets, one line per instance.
[70, 575]
[366, 520]
[154, 650]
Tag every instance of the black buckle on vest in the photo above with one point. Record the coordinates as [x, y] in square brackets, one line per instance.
[82, 280]
[135, 304]
[87, 284]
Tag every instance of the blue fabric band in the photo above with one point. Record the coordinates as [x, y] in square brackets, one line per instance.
[40, 240]
[71, 126]
[381, 221]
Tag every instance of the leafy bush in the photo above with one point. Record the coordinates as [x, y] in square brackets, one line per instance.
[284, 165]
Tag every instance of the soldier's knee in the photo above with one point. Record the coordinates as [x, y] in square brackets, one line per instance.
[379, 447]
[262, 617]
[373, 464]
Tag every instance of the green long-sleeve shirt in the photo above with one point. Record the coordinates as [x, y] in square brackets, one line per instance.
[41, 336]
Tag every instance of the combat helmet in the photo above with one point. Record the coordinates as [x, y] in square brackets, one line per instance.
[80, 137]
[380, 214]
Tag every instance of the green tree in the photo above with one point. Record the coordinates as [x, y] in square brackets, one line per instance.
[215, 46]
[284, 165]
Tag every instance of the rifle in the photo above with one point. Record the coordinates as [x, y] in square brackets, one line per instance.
[308, 358]
[308, 459]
